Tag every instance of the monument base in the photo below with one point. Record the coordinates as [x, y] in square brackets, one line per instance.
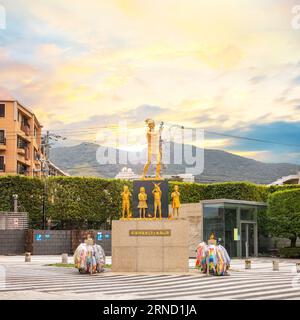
[150, 246]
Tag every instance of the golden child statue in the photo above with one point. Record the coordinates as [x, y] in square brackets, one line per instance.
[154, 148]
[142, 196]
[212, 240]
[126, 194]
[175, 195]
[157, 200]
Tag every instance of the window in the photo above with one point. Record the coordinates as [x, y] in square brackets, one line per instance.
[22, 144]
[2, 137]
[213, 222]
[22, 169]
[2, 110]
[2, 164]
[37, 155]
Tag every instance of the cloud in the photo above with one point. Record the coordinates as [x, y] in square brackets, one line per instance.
[285, 135]
[297, 80]
[257, 79]
[213, 65]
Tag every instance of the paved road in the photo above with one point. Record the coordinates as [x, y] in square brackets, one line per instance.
[37, 281]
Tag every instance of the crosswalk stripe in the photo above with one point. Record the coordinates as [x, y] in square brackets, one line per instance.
[257, 283]
[92, 282]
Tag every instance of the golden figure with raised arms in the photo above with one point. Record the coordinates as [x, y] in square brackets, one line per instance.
[126, 194]
[157, 193]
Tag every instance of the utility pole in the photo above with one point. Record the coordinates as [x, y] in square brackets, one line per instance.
[45, 165]
[15, 199]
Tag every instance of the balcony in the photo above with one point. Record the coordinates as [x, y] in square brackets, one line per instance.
[2, 143]
[23, 168]
[2, 146]
[27, 154]
[26, 129]
[21, 151]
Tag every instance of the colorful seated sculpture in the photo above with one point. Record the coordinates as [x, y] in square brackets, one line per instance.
[89, 257]
[214, 257]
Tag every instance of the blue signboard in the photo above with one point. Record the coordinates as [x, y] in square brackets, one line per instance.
[99, 236]
[38, 237]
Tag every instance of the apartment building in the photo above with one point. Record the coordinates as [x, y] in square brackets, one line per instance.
[20, 141]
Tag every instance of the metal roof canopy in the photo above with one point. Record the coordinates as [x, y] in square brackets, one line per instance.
[232, 201]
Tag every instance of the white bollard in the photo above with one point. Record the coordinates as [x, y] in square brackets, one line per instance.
[247, 264]
[275, 265]
[64, 258]
[27, 257]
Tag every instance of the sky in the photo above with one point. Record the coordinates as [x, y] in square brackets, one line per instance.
[227, 66]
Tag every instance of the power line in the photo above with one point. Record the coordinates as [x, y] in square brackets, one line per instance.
[253, 139]
[238, 137]
[80, 133]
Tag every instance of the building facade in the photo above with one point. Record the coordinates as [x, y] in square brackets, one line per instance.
[127, 174]
[234, 224]
[291, 179]
[20, 141]
[182, 177]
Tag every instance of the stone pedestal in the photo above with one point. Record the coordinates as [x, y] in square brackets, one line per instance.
[192, 213]
[150, 246]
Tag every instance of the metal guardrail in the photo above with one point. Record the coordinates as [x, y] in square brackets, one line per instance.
[13, 220]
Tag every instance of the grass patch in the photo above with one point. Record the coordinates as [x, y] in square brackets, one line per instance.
[62, 265]
[68, 265]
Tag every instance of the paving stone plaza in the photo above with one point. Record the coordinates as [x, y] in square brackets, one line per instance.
[35, 280]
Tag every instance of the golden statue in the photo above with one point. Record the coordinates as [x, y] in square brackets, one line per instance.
[157, 200]
[154, 148]
[212, 240]
[175, 195]
[142, 196]
[126, 194]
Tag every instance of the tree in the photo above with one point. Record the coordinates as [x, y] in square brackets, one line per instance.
[284, 214]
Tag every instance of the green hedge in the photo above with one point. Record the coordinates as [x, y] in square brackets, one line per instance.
[289, 252]
[79, 199]
[195, 192]
[29, 190]
[94, 199]
[284, 214]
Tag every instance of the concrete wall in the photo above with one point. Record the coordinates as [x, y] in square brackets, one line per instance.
[12, 242]
[192, 212]
[50, 242]
[13, 220]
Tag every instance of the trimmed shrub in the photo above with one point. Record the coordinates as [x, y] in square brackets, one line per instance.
[83, 199]
[30, 192]
[284, 214]
[74, 201]
[289, 252]
[195, 192]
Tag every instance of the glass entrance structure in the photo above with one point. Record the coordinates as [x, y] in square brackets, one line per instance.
[234, 224]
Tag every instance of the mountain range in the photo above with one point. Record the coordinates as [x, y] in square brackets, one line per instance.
[219, 166]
